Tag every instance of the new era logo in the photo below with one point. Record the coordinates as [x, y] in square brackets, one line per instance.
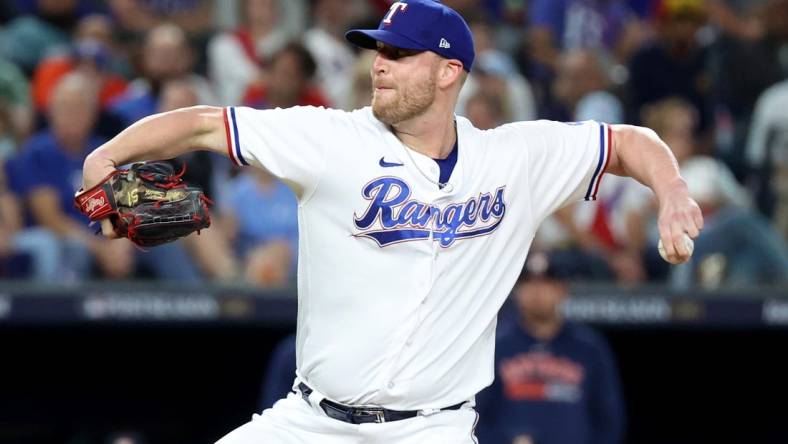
[444, 44]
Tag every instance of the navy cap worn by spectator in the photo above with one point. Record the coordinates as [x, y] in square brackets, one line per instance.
[540, 266]
[425, 25]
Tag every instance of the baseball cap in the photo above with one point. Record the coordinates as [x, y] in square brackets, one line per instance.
[539, 265]
[426, 25]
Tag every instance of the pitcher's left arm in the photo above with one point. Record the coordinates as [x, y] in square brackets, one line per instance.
[639, 153]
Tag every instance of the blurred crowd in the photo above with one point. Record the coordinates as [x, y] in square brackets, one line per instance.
[709, 76]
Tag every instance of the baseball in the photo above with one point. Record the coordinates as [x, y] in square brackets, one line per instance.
[688, 243]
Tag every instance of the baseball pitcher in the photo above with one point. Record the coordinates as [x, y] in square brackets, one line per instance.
[414, 226]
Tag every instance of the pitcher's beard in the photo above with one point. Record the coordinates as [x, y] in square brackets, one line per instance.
[409, 103]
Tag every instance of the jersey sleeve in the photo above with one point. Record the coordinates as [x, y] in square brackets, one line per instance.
[565, 162]
[289, 143]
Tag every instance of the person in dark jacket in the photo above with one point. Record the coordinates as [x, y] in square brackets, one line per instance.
[556, 382]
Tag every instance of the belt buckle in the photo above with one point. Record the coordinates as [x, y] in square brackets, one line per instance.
[380, 415]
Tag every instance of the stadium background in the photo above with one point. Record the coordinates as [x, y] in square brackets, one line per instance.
[96, 343]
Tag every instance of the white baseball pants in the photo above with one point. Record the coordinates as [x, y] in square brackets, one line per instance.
[293, 421]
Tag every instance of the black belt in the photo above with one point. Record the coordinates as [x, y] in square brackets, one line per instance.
[362, 415]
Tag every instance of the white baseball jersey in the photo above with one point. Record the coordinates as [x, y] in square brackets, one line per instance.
[400, 281]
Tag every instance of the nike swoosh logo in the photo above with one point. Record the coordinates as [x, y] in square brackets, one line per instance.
[385, 164]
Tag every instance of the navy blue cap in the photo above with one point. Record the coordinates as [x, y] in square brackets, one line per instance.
[425, 25]
[541, 266]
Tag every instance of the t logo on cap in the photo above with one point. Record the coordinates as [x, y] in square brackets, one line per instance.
[421, 25]
[396, 6]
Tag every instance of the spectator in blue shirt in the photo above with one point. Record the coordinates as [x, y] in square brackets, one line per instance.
[262, 217]
[556, 382]
[47, 173]
[24, 252]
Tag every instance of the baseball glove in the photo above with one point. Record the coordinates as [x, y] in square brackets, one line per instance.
[148, 203]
